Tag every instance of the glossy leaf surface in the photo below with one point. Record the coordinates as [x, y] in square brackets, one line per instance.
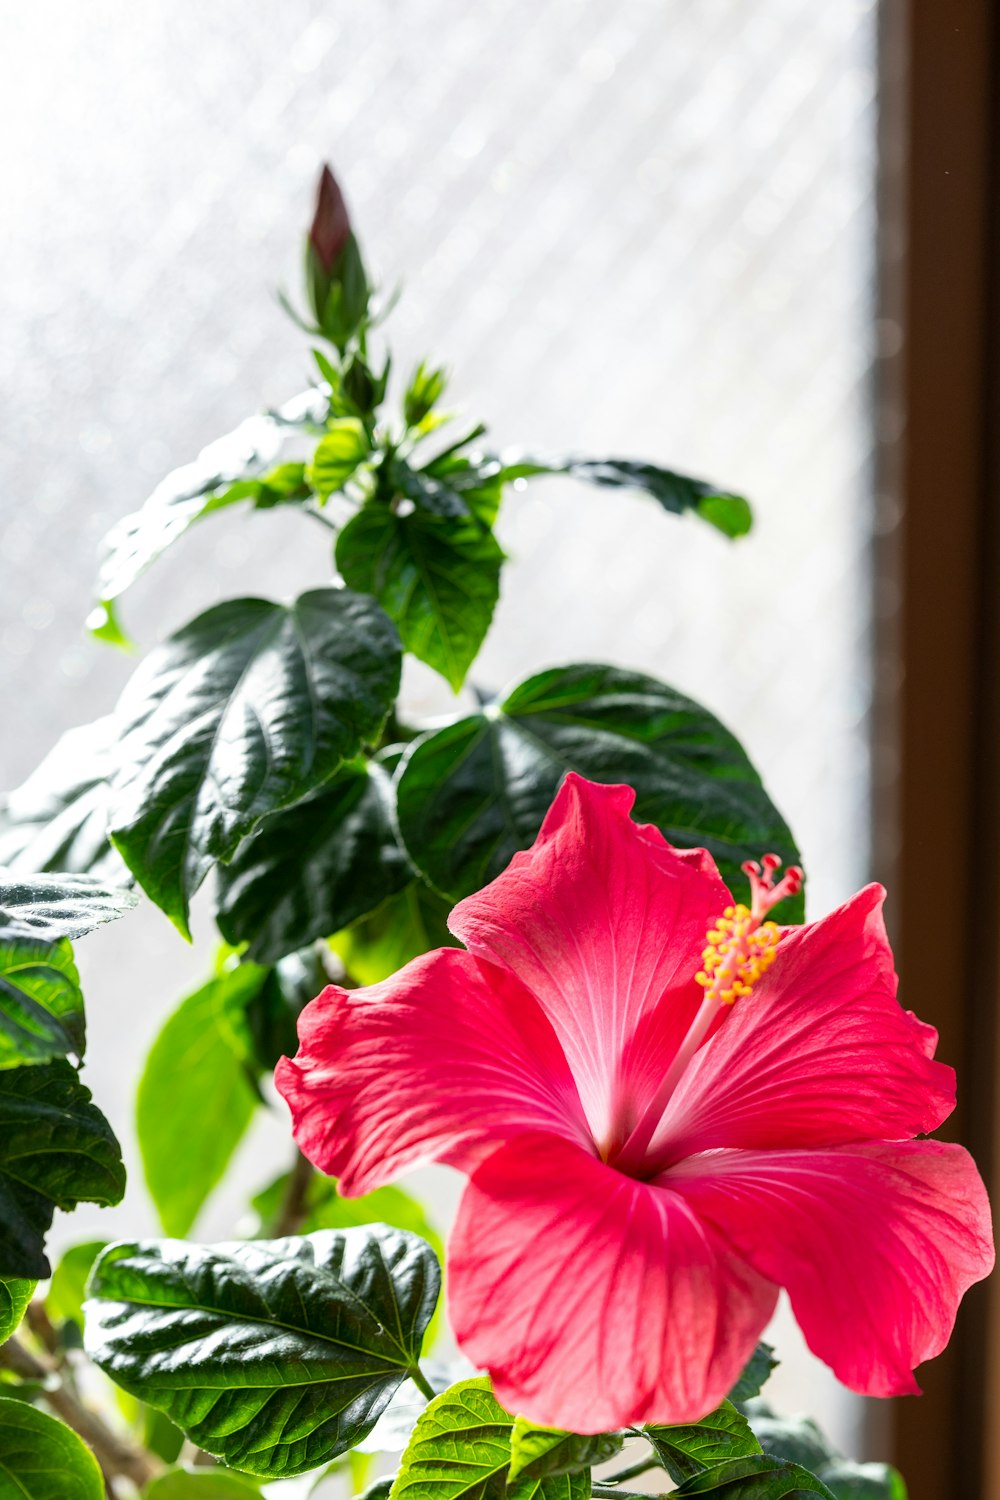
[275, 1356]
[56, 1150]
[471, 794]
[438, 577]
[57, 820]
[43, 1459]
[57, 906]
[41, 1006]
[195, 1096]
[685, 1450]
[760, 1478]
[243, 712]
[315, 868]
[540, 1452]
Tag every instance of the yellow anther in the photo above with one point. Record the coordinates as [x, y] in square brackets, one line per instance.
[739, 950]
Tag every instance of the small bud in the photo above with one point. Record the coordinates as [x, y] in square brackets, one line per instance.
[423, 393]
[336, 282]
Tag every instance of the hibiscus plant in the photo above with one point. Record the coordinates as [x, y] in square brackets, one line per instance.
[555, 941]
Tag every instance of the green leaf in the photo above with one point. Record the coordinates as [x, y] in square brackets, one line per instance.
[57, 906]
[760, 1478]
[541, 1452]
[210, 483]
[756, 1373]
[57, 820]
[461, 1450]
[473, 793]
[41, 1005]
[727, 512]
[437, 576]
[685, 1450]
[411, 923]
[799, 1439]
[67, 1289]
[201, 1484]
[43, 1459]
[56, 1150]
[341, 450]
[195, 1096]
[315, 868]
[326, 1209]
[15, 1294]
[104, 625]
[245, 711]
[272, 1012]
[847, 1481]
[423, 393]
[275, 1356]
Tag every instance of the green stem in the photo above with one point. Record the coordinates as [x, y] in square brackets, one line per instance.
[421, 1382]
[611, 1492]
[632, 1473]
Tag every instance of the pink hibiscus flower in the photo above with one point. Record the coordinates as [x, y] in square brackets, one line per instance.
[668, 1109]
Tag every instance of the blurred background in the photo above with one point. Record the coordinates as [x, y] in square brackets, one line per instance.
[647, 229]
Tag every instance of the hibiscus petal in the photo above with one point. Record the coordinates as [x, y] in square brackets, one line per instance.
[820, 1053]
[444, 1060]
[596, 1301]
[604, 922]
[876, 1243]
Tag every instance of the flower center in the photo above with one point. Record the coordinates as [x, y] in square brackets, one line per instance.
[741, 946]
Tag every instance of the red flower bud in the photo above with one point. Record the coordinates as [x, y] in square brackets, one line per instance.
[331, 227]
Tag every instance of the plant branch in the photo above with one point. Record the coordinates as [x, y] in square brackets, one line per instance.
[421, 1382]
[115, 1455]
[632, 1473]
[611, 1492]
[295, 1207]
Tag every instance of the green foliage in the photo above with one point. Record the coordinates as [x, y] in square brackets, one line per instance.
[760, 1478]
[544, 1452]
[755, 1375]
[472, 793]
[324, 1208]
[64, 1298]
[244, 711]
[15, 1294]
[56, 1150]
[437, 576]
[272, 1011]
[677, 493]
[309, 871]
[847, 1481]
[233, 468]
[58, 819]
[685, 1450]
[275, 1356]
[201, 1484]
[423, 393]
[57, 906]
[461, 1450]
[196, 1097]
[800, 1440]
[340, 451]
[43, 1459]
[41, 1005]
[411, 923]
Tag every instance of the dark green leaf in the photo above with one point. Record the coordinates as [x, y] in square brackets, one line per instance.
[847, 1481]
[677, 493]
[381, 1489]
[438, 577]
[686, 1450]
[798, 1439]
[343, 447]
[273, 1011]
[56, 1150]
[195, 1097]
[471, 794]
[761, 1478]
[461, 1450]
[41, 1006]
[756, 1374]
[315, 868]
[43, 1459]
[15, 1294]
[211, 482]
[275, 1356]
[406, 925]
[541, 1452]
[201, 1484]
[57, 906]
[64, 1298]
[244, 711]
[57, 820]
